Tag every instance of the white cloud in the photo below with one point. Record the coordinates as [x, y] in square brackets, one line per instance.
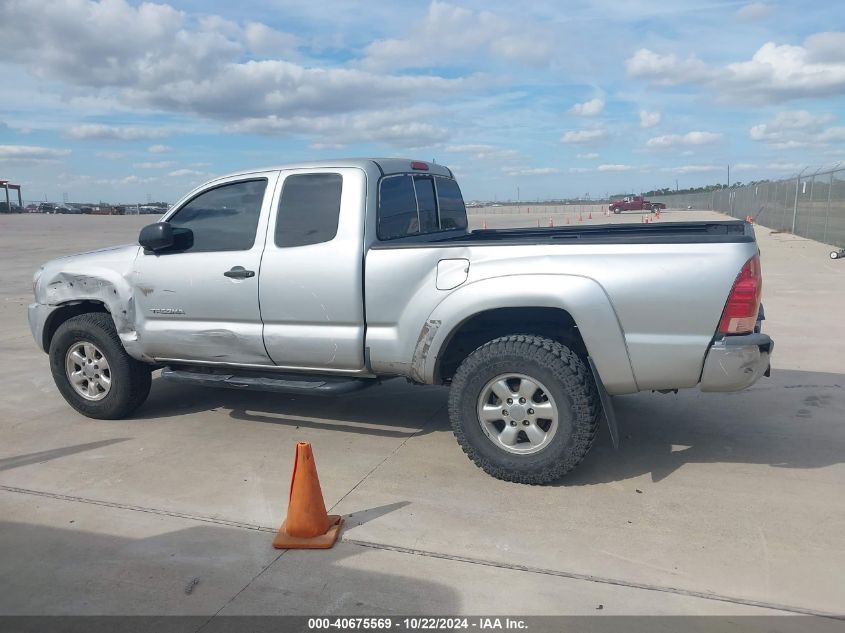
[581, 137]
[775, 73]
[615, 168]
[666, 70]
[448, 33]
[649, 119]
[593, 107]
[745, 167]
[672, 141]
[587, 156]
[578, 170]
[532, 171]
[400, 128]
[693, 169]
[30, 152]
[794, 167]
[111, 155]
[162, 164]
[113, 133]
[483, 152]
[754, 12]
[159, 149]
[264, 41]
[796, 129]
[152, 56]
[181, 173]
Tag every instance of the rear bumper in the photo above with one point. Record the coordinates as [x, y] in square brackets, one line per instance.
[736, 362]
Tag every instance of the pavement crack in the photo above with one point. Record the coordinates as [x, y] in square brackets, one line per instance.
[392, 453]
[244, 588]
[704, 595]
[125, 506]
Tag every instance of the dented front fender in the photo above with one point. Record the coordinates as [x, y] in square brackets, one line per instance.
[103, 277]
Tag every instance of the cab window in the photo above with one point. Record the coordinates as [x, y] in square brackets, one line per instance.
[309, 209]
[224, 218]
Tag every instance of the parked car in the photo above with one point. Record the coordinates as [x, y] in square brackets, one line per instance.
[327, 277]
[46, 207]
[635, 203]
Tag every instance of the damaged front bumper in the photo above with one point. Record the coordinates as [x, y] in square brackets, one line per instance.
[38, 314]
[736, 362]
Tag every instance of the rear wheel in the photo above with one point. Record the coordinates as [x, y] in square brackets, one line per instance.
[524, 408]
[93, 372]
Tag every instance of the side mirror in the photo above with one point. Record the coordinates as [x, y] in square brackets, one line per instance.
[162, 236]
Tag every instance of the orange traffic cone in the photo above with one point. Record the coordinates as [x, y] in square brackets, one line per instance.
[551, 223]
[590, 217]
[307, 525]
[749, 219]
[485, 225]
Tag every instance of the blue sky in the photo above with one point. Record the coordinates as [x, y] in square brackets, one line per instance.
[118, 100]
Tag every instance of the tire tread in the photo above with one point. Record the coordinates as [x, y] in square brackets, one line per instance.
[575, 378]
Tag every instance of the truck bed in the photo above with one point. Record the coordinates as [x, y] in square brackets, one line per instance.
[730, 231]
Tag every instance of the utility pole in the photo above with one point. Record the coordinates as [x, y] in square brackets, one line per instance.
[729, 176]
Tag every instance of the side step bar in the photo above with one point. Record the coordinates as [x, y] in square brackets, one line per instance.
[278, 383]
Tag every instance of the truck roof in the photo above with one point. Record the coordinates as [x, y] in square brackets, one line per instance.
[384, 165]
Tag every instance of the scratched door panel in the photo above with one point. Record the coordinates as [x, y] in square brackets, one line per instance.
[187, 309]
[310, 285]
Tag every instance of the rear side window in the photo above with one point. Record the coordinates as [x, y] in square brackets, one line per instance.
[309, 209]
[397, 208]
[453, 213]
[224, 218]
[426, 203]
[409, 205]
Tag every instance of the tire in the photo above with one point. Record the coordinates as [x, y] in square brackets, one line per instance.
[617, 211]
[566, 382]
[128, 380]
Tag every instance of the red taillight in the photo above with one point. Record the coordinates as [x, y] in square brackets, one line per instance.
[740, 315]
[418, 164]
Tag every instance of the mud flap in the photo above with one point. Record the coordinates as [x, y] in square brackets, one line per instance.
[606, 405]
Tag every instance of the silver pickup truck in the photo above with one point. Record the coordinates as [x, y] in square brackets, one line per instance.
[327, 277]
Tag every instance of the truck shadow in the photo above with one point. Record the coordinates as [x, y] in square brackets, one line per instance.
[391, 409]
[792, 420]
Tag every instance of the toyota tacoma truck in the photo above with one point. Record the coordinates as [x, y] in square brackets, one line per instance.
[328, 277]
[635, 203]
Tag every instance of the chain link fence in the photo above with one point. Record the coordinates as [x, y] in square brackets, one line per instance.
[810, 205]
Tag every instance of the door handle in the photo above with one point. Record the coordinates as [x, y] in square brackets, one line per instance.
[239, 272]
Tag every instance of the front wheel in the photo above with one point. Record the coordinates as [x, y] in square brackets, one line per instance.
[524, 409]
[93, 372]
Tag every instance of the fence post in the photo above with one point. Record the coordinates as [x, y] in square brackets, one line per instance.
[827, 214]
[795, 206]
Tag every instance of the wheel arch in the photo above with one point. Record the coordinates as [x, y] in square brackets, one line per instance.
[66, 311]
[573, 309]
